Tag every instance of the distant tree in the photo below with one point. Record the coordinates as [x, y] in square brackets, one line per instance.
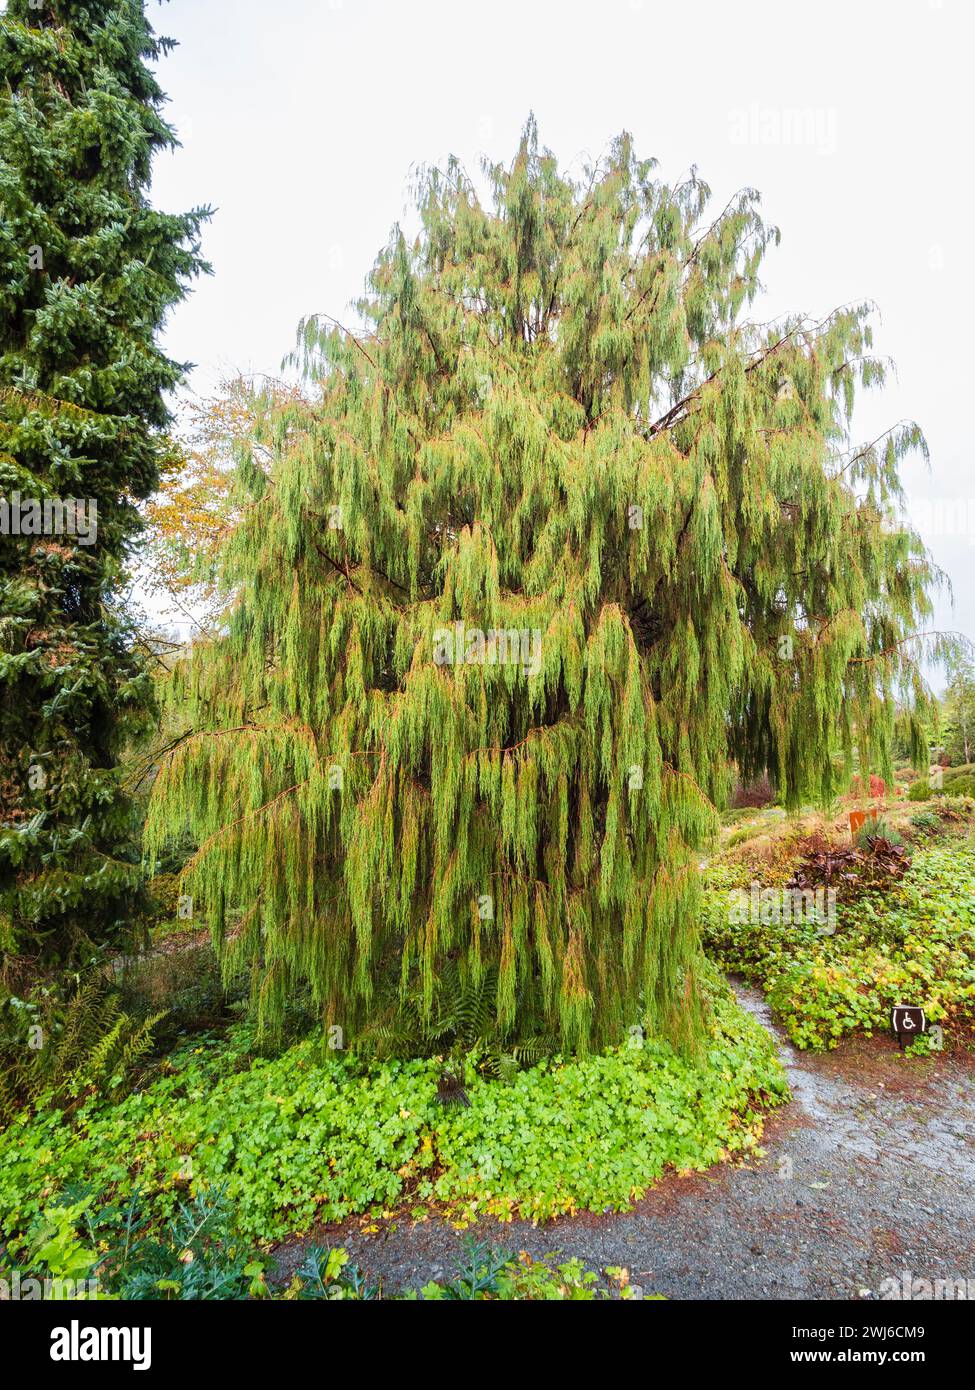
[195, 506]
[561, 537]
[958, 712]
[88, 271]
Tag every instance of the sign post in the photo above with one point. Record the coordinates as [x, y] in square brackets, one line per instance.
[907, 1022]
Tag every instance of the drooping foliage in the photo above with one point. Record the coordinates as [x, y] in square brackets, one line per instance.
[88, 271]
[558, 537]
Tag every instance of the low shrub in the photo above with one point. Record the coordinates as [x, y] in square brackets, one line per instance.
[959, 786]
[877, 835]
[926, 822]
[760, 792]
[742, 836]
[870, 865]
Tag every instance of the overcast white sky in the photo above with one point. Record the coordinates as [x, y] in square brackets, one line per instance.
[300, 120]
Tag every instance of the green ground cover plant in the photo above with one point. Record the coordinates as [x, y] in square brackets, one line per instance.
[316, 1136]
[915, 943]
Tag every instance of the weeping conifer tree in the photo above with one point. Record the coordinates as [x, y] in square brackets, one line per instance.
[559, 538]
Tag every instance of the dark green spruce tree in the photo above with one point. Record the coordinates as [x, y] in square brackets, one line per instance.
[88, 271]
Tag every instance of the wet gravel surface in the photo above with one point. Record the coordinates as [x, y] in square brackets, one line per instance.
[869, 1173]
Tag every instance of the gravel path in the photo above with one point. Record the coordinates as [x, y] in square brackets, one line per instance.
[868, 1173]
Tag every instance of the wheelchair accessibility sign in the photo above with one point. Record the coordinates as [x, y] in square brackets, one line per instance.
[907, 1021]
